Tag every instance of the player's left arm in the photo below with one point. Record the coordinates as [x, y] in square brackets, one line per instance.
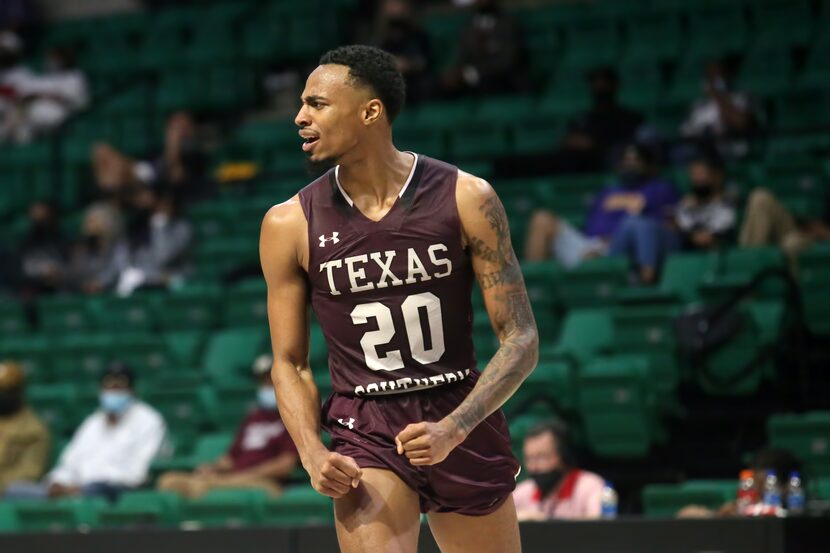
[485, 232]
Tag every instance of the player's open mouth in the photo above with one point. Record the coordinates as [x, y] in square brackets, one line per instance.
[309, 142]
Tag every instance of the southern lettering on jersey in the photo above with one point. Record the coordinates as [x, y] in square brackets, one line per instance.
[393, 296]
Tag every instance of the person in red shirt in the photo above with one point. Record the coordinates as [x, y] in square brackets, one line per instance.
[556, 487]
[261, 456]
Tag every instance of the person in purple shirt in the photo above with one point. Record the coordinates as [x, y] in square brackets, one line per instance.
[630, 217]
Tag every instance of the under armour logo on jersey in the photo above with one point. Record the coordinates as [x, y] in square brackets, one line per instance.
[333, 238]
[349, 424]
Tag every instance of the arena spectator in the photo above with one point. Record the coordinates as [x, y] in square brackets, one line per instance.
[262, 454]
[24, 440]
[722, 117]
[180, 165]
[42, 252]
[157, 244]
[491, 54]
[557, 487]
[705, 217]
[767, 222]
[13, 78]
[627, 218]
[400, 35]
[92, 257]
[112, 449]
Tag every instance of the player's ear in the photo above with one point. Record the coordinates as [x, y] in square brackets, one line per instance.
[372, 111]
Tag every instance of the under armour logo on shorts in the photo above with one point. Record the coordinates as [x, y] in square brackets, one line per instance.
[349, 424]
[333, 238]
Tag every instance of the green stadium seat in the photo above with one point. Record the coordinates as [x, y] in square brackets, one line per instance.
[683, 273]
[134, 314]
[140, 509]
[551, 382]
[820, 489]
[225, 508]
[806, 435]
[192, 449]
[566, 94]
[185, 346]
[146, 353]
[665, 500]
[34, 353]
[479, 140]
[13, 319]
[766, 72]
[83, 356]
[181, 89]
[212, 43]
[57, 406]
[642, 85]
[586, 333]
[716, 30]
[644, 31]
[61, 314]
[617, 405]
[231, 352]
[185, 407]
[8, 518]
[247, 304]
[192, 308]
[767, 18]
[238, 398]
[591, 42]
[230, 87]
[299, 505]
[593, 282]
[57, 515]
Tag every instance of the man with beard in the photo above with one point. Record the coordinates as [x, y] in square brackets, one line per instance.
[557, 488]
[385, 246]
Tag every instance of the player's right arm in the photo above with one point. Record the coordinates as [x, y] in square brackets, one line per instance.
[282, 247]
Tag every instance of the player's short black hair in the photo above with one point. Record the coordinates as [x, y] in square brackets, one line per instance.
[561, 436]
[374, 68]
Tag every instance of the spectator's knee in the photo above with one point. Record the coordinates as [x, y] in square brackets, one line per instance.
[543, 220]
[102, 151]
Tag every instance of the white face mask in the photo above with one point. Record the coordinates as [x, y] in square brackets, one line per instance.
[266, 398]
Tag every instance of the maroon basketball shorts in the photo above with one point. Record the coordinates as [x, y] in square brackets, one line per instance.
[476, 477]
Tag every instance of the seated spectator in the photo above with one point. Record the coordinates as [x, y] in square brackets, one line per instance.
[705, 218]
[491, 55]
[92, 257]
[557, 487]
[767, 222]
[24, 440]
[111, 451]
[400, 35]
[594, 140]
[627, 218]
[156, 248]
[14, 76]
[53, 96]
[722, 116]
[179, 166]
[42, 252]
[262, 454]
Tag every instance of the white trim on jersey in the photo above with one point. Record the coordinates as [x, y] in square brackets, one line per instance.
[403, 189]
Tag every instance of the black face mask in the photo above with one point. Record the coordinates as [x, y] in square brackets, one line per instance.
[92, 242]
[10, 402]
[547, 481]
[703, 191]
[630, 178]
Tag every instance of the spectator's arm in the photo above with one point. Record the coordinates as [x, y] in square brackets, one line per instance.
[277, 468]
[31, 463]
[65, 472]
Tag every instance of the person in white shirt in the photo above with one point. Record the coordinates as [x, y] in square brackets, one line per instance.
[112, 449]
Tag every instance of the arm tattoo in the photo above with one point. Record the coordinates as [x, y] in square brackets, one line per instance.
[518, 352]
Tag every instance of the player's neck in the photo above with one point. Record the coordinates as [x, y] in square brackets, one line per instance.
[380, 172]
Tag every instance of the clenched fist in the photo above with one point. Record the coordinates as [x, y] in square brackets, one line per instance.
[428, 443]
[333, 474]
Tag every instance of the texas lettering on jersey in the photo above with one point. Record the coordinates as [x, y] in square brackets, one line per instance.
[391, 296]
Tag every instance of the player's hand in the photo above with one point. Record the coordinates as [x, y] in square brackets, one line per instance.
[333, 474]
[428, 443]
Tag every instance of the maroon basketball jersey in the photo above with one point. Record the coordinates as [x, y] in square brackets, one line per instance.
[392, 296]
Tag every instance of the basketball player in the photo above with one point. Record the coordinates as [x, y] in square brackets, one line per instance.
[385, 246]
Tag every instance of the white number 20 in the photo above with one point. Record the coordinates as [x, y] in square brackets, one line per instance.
[410, 308]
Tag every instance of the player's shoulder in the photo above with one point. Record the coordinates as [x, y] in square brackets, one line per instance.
[284, 216]
[471, 188]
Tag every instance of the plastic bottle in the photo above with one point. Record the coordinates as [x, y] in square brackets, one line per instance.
[747, 496]
[609, 501]
[795, 494]
[772, 495]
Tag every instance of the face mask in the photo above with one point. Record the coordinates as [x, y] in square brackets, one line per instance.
[266, 398]
[603, 97]
[10, 402]
[703, 191]
[115, 402]
[630, 178]
[547, 481]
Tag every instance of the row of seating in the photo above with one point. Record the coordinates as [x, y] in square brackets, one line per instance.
[298, 505]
